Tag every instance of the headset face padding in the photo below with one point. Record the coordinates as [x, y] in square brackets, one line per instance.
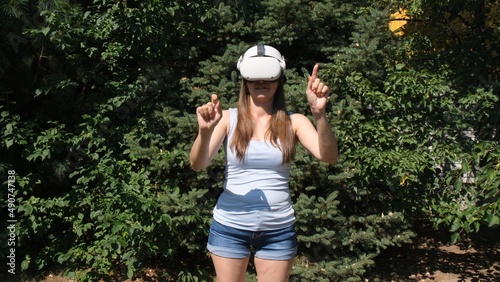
[261, 62]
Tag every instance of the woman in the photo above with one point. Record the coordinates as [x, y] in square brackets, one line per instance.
[254, 212]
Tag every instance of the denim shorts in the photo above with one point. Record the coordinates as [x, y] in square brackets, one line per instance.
[230, 242]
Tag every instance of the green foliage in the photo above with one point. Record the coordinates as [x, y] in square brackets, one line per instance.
[464, 195]
[97, 110]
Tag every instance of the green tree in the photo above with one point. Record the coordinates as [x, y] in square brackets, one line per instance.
[458, 39]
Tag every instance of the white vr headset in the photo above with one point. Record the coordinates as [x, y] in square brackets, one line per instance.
[261, 62]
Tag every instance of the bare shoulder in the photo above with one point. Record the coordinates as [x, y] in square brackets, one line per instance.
[302, 126]
[297, 116]
[224, 122]
[225, 116]
[298, 120]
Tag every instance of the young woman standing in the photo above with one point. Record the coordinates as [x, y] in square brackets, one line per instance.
[254, 213]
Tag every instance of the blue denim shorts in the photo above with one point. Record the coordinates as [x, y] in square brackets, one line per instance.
[230, 242]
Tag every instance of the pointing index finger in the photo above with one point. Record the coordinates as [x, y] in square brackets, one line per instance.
[312, 78]
[314, 74]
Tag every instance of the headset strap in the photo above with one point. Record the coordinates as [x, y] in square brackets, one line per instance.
[260, 50]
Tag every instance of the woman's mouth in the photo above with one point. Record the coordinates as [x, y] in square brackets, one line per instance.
[261, 87]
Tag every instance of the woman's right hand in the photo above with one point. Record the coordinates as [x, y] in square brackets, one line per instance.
[209, 114]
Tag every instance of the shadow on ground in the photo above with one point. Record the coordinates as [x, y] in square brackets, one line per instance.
[432, 258]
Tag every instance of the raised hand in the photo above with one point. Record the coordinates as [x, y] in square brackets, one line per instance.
[209, 114]
[317, 92]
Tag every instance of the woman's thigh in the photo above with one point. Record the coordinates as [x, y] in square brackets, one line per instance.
[230, 269]
[273, 270]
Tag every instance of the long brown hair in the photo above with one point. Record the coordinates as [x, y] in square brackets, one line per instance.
[279, 129]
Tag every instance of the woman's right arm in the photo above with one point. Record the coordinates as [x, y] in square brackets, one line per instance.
[213, 124]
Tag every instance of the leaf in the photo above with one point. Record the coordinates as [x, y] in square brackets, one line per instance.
[9, 143]
[493, 220]
[25, 264]
[477, 225]
[454, 237]
[79, 231]
[45, 30]
[38, 92]
[456, 225]
[167, 219]
[117, 226]
[28, 209]
[130, 272]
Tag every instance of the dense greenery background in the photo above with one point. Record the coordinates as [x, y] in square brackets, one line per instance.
[97, 117]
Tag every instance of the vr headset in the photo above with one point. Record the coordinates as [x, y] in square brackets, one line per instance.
[261, 62]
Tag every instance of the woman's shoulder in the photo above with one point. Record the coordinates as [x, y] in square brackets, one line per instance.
[298, 120]
[225, 114]
[296, 116]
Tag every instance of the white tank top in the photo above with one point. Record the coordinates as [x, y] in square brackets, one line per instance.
[256, 192]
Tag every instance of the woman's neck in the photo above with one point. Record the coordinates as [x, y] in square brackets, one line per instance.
[261, 110]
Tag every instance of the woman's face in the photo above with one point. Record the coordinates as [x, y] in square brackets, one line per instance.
[262, 91]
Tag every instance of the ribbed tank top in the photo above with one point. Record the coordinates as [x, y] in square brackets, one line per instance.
[256, 192]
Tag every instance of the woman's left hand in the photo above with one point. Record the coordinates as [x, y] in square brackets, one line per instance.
[317, 92]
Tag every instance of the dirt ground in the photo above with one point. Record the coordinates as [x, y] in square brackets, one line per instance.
[432, 258]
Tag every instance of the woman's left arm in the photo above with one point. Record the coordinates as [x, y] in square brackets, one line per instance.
[320, 141]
